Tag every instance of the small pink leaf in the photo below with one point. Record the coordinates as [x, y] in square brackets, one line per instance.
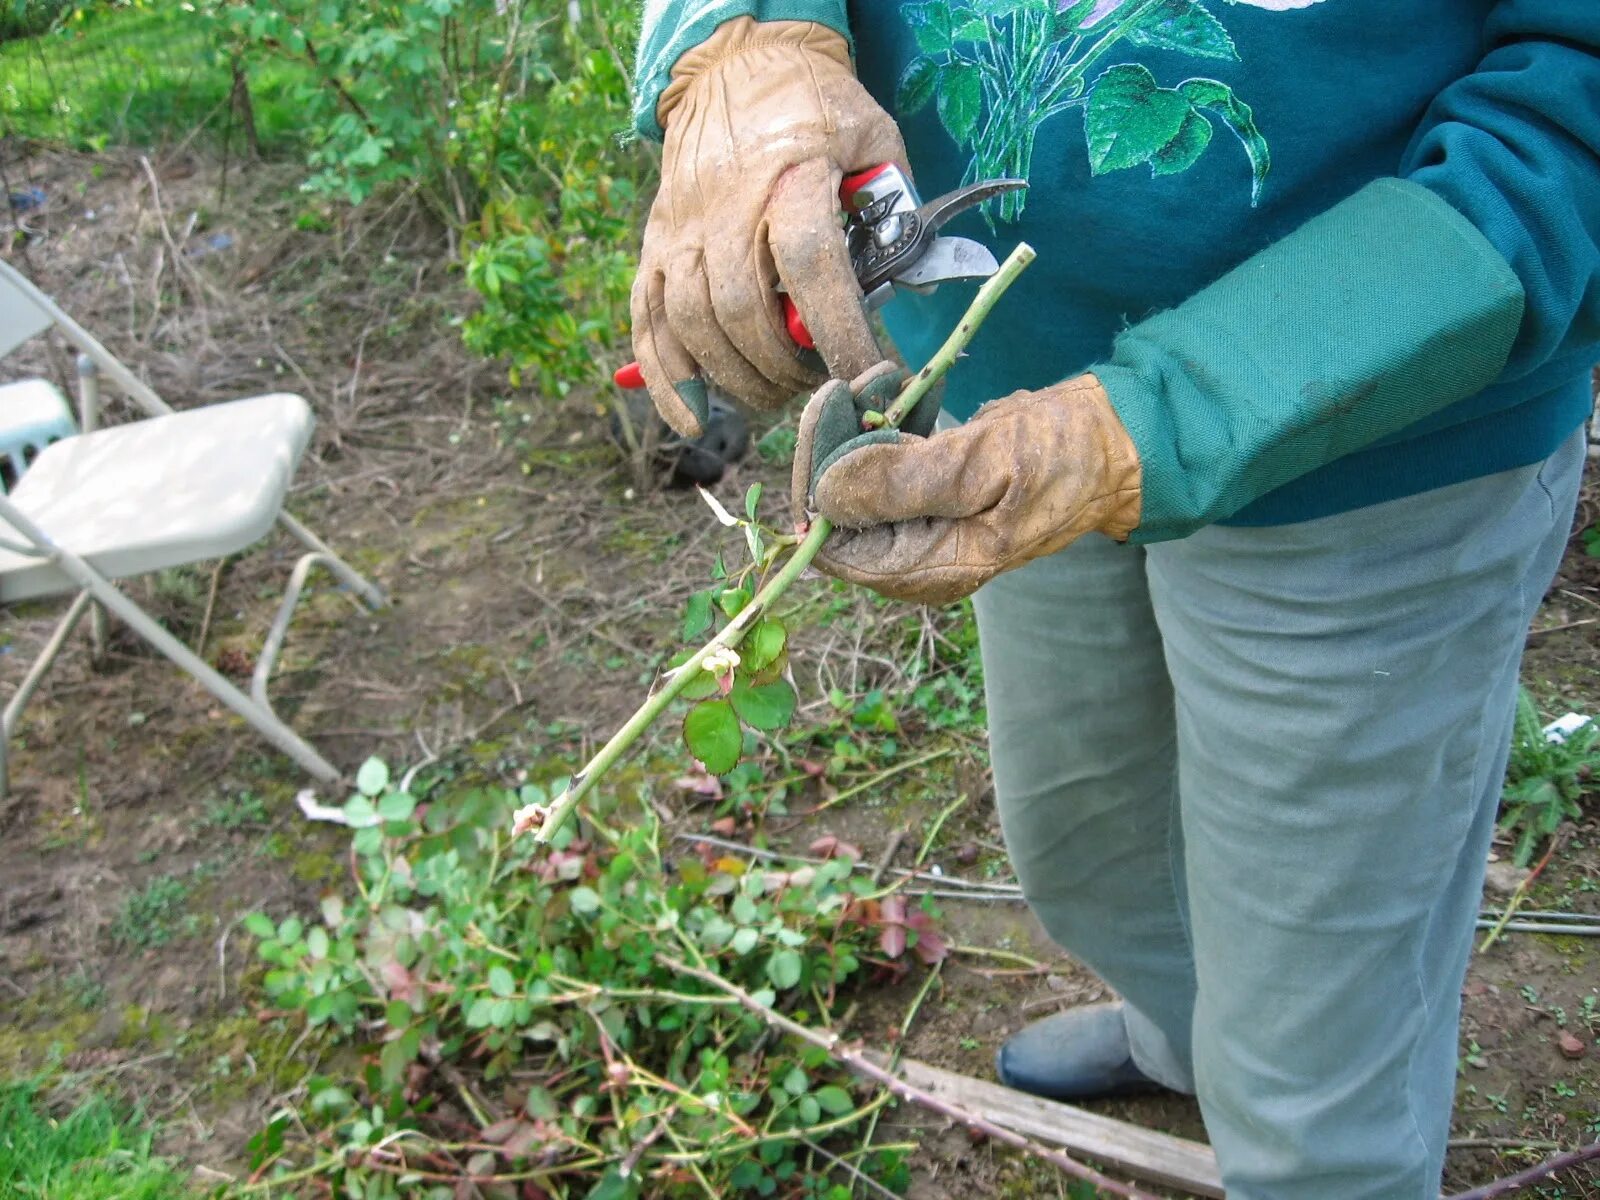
[894, 910]
[931, 948]
[893, 940]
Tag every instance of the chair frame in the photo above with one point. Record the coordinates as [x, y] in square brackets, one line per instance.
[97, 594]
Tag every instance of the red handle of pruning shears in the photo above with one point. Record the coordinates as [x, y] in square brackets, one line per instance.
[631, 376]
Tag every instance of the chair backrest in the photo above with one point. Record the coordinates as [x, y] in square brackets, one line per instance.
[20, 316]
[31, 304]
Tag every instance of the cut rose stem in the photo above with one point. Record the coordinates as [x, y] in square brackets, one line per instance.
[885, 1077]
[544, 821]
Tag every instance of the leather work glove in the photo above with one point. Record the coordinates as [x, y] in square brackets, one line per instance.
[762, 122]
[932, 517]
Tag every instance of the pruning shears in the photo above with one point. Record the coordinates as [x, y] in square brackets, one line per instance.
[894, 242]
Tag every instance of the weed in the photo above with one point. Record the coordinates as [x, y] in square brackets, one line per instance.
[87, 992]
[155, 915]
[1544, 779]
[93, 1153]
[244, 811]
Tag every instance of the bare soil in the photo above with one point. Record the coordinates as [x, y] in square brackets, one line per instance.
[535, 585]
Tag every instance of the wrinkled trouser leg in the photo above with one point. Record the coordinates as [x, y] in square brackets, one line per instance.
[1343, 692]
[1084, 748]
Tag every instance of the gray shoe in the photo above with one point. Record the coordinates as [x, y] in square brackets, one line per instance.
[1079, 1054]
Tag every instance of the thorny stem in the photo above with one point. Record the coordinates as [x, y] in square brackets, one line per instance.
[861, 1065]
[547, 822]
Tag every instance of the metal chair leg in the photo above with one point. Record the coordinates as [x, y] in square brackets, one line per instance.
[88, 422]
[273, 646]
[41, 665]
[345, 573]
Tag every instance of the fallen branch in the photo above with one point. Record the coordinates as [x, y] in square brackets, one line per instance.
[863, 1066]
[546, 821]
[1513, 1184]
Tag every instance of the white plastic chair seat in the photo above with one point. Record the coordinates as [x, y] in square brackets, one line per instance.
[158, 493]
[33, 414]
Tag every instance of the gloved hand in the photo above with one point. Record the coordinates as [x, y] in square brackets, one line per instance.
[762, 122]
[931, 517]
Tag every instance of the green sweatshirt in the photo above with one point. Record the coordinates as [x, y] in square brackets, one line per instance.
[1322, 253]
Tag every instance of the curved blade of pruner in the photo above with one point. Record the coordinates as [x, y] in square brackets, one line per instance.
[935, 214]
[947, 260]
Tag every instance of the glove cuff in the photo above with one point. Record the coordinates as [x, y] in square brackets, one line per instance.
[1121, 492]
[813, 45]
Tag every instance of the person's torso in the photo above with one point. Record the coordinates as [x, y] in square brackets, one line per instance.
[1164, 142]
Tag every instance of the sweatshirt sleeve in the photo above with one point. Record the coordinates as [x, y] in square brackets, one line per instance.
[1479, 263]
[671, 27]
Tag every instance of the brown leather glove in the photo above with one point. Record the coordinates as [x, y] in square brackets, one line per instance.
[762, 122]
[933, 518]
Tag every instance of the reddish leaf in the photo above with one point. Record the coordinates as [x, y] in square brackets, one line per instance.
[700, 784]
[894, 909]
[893, 940]
[931, 948]
[825, 846]
[398, 980]
[813, 768]
[1570, 1046]
[500, 1131]
[725, 827]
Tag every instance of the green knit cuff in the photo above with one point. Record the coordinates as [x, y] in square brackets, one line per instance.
[672, 27]
[1372, 316]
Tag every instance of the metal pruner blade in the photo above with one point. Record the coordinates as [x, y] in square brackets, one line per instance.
[948, 260]
[935, 214]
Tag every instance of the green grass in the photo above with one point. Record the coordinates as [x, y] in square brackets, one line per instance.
[93, 1153]
[136, 77]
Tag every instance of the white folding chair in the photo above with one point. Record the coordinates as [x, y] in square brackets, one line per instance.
[165, 491]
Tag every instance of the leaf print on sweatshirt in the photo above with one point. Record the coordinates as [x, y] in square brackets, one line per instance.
[998, 71]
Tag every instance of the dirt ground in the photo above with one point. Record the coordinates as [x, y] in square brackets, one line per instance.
[535, 587]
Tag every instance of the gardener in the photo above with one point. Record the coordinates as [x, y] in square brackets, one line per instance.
[1303, 370]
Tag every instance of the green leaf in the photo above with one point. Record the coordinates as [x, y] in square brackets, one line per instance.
[501, 981]
[1183, 151]
[752, 500]
[809, 1111]
[762, 646]
[733, 600]
[711, 731]
[259, 925]
[1185, 26]
[744, 940]
[317, 942]
[784, 968]
[1219, 98]
[1131, 119]
[968, 27]
[916, 86]
[373, 777]
[614, 1185]
[540, 1104]
[795, 1082]
[835, 1100]
[767, 708]
[584, 900]
[397, 806]
[359, 810]
[930, 25]
[697, 615]
[960, 101]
